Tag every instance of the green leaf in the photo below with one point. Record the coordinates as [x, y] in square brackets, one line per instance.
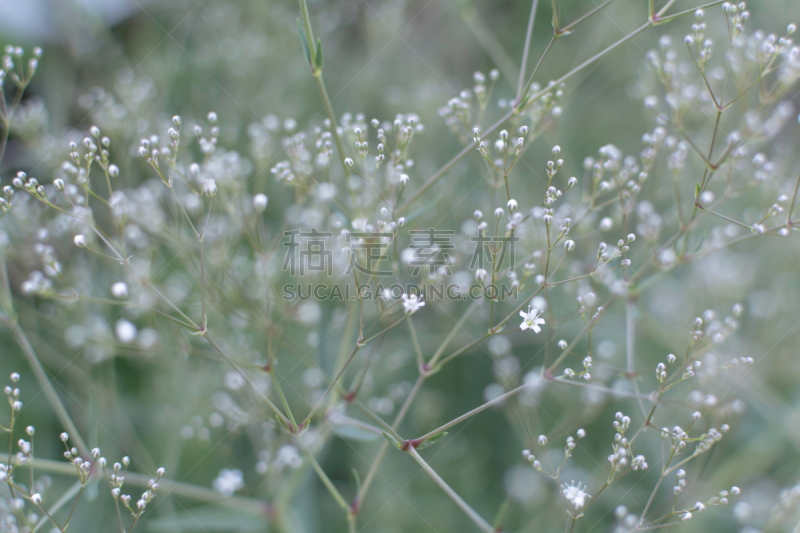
[358, 481]
[304, 41]
[433, 440]
[392, 441]
[696, 190]
[318, 56]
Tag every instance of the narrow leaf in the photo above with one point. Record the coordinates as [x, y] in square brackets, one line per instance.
[318, 56]
[433, 440]
[304, 41]
[358, 481]
[392, 441]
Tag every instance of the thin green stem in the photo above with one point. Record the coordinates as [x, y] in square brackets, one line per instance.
[47, 386]
[464, 506]
[528, 35]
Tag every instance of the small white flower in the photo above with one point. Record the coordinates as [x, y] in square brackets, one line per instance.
[125, 330]
[36, 499]
[412, 303]
[79, 240]
[119, 290]
[260, 202]
[575, 494]
[228, 481]
[210, 187]
[531, 320]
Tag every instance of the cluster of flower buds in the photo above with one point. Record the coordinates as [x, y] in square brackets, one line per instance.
[554, 164]
[361, 144]
[480, 90]
[148, 495]
[12, 395]
[457, 111]
[30, 185]
[324, 145]
[117, 479]
[739, 361]
[680, 481]
[678, 436]
[587, 364]
[707, 440]
[12, 53]
[175, 133]
[618, 459]
[283, 171]
[208, 143]
[83, 467]
[722, 497]
[639, 463]
[737, 14]
[539, 102]
[149, 151]
[528, 456]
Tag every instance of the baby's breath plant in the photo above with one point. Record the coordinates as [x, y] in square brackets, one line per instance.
[528, 304]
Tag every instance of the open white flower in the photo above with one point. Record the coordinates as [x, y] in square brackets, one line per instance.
[412, 303]
[228, 481]
[531, 320]
[575, 494]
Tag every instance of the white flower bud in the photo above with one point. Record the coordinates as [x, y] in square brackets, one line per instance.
[79, 240]
[210, 187]
[119, 290]
[260, 202]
